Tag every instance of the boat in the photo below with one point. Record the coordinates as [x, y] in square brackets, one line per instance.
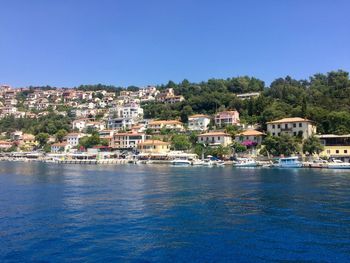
[338, 164]
[207, 162]
[316, 164]
[197, 162]
[289, 162]
[180, 162]
[219, 163]
[245, 162]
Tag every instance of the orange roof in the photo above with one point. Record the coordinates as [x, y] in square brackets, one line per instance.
[199, 116]
[59, 144]
[165, 122]
[215, 134]
[6, 142]
[127, 133]
[227, 112]
[251, 133]
[154, 142]
[295, 119]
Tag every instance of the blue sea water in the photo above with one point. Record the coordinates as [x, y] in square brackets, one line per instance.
[144, 213]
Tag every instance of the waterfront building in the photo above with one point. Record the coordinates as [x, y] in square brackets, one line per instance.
[73, 138]
[335, 146]
[107, 135]
[5, 145]
[225, 118]
[154, 146]
[198, 122]
[292, 126]
[127, 140]
[253, 136]
[60, 147]
[157, 126]
[215, 138]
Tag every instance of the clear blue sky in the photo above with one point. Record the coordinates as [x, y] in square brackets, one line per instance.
[140, 42]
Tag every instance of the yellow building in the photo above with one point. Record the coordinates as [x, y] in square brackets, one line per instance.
[153, 146]
[336, 146]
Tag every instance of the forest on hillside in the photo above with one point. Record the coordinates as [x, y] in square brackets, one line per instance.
[323, 98]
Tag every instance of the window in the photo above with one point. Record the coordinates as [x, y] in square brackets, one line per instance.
[295, 133]
[273, 134]
[278, 126]
[219, 138]
[286, 126]
[336, 151]
[273, 126]
[300, 125]
[279, 134]
[294, 125]
[345, 151]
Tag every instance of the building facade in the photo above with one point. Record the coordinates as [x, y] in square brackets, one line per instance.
[215, 139]
[198, 122]
[292, 126]
[336, 146]
[225, 118]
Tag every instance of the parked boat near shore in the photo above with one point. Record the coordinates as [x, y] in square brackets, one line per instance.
[289, 162]
[245, 162]
[338, 164]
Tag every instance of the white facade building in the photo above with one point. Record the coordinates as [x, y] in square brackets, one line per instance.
[292, 126]
[198, 122]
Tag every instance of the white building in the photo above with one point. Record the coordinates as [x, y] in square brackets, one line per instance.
[292, 126]
[60, 147]
[198, 122]
[73, 138]
[133, 111]
[121, 123]
[215, 138]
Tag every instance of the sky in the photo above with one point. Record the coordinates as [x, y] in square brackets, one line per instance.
[66, 43]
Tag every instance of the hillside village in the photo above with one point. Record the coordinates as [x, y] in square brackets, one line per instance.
[71, 120]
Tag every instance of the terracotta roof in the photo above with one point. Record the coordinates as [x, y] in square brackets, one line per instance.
[295, 119]
[154, 142]
[165, 122]
[6, 142]
[127, 133]
[227, 112]
[251, 133]
[214, 134]
[59, 144]
[199, 116]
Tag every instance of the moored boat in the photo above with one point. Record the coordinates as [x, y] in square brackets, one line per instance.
[180, 162]
[289, 162]
[338, 164]
[245, 162]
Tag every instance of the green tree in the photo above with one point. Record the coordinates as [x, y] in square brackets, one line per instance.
[312, 145]
[180, 142]
[60, 135]
[42, 138]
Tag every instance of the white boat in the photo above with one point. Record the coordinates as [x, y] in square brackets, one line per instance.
[197, 162]
[207, 162]
[289, 162]
[245, 162]
[180, 162]
[338, 164]
[219, 163]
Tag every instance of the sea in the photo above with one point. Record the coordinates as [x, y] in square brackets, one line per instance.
[162, 213]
